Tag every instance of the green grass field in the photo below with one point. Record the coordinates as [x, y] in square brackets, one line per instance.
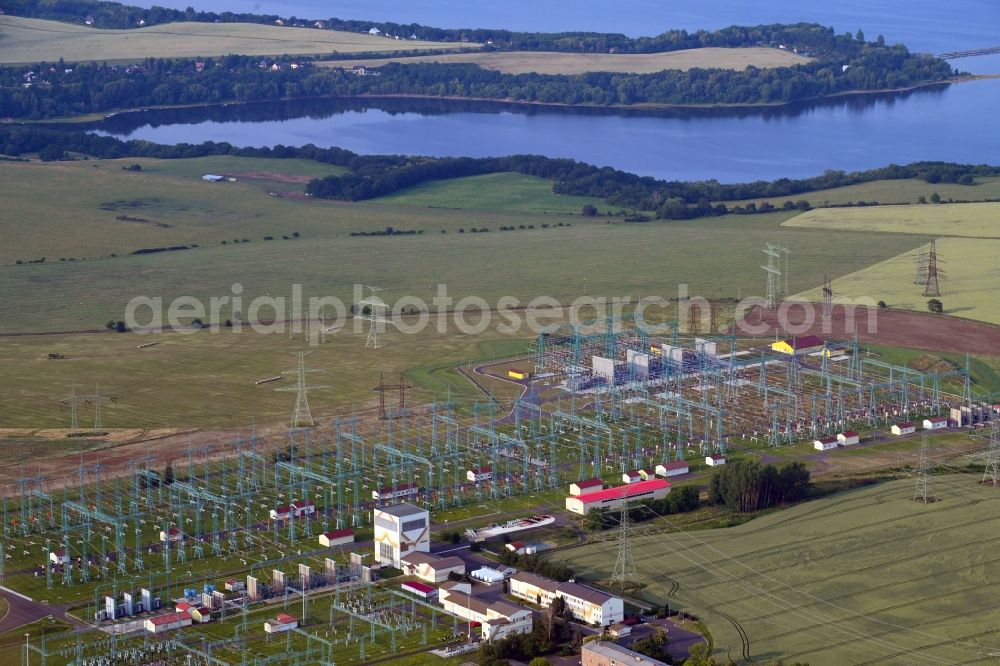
[542, 62]
[93, 209]
[975, 220]
[866, 576]
[29, 40]
[510, 192]
[209, 379]
[892, 192]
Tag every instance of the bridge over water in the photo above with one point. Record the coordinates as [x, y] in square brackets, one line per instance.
[989, 50]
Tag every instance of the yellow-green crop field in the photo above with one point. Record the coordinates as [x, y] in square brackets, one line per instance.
[971, 288]
[863, 577]
[976, 220]
[968, 251]
[543, 62]
[27, 40]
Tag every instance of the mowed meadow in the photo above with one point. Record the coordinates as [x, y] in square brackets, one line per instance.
[543, 62]
[209, 379]
[27, 40]
[553, 254]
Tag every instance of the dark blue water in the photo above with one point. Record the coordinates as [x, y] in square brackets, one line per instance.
[949, 123]
[945, 123]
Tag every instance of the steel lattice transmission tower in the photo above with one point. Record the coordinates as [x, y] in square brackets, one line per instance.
[382, 387]
[827, 298]
[624, 573]
[773, 253]
[925, 481]
[931, 286]
[785, 272]
[301, 414]
[376, 315]
[921, 278]
[71, 400]
[992, 473]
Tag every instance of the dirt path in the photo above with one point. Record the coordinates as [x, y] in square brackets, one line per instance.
[896, 328]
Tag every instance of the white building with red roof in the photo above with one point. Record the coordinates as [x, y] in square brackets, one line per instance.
[336, 538]
[848, 438]
[586, 486]
[479, 474]
[936, 423]
[297, 509]
[169, 622]
[715, 460]
[825, 443]
[612, 498]
[282, 623]
[674, 468]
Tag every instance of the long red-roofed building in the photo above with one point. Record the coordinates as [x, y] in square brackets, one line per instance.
[612, 498]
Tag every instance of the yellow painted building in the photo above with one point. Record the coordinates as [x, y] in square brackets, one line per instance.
[807, 344]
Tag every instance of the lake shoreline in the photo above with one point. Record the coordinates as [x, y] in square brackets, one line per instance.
[651, 107]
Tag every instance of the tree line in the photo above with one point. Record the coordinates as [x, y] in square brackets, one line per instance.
[58, 90]
[809, 37]
[747, 485]
[372, 176]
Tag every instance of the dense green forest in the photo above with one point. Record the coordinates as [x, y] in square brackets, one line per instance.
[377, 175]
[50, 90]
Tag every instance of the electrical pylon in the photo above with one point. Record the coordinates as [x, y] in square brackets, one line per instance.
[624, 573]
[376, 315]
[931, 286]
[74, 423]
[773, 253]
[925, 481]
[827, 297]
[97, 398]
[785, 272]
[992, 473]
[383, 387]
[301, 414]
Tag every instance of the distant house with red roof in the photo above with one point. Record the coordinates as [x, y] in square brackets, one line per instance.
[172, 534]
[848, 438]
[169, 622]
[422, 590]
[825, 443]
[282, 623]
[715, 460]
[479, 474]
[336, 538]
[673, 468]
[587, 486]
[297, 509]
[904, 428]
